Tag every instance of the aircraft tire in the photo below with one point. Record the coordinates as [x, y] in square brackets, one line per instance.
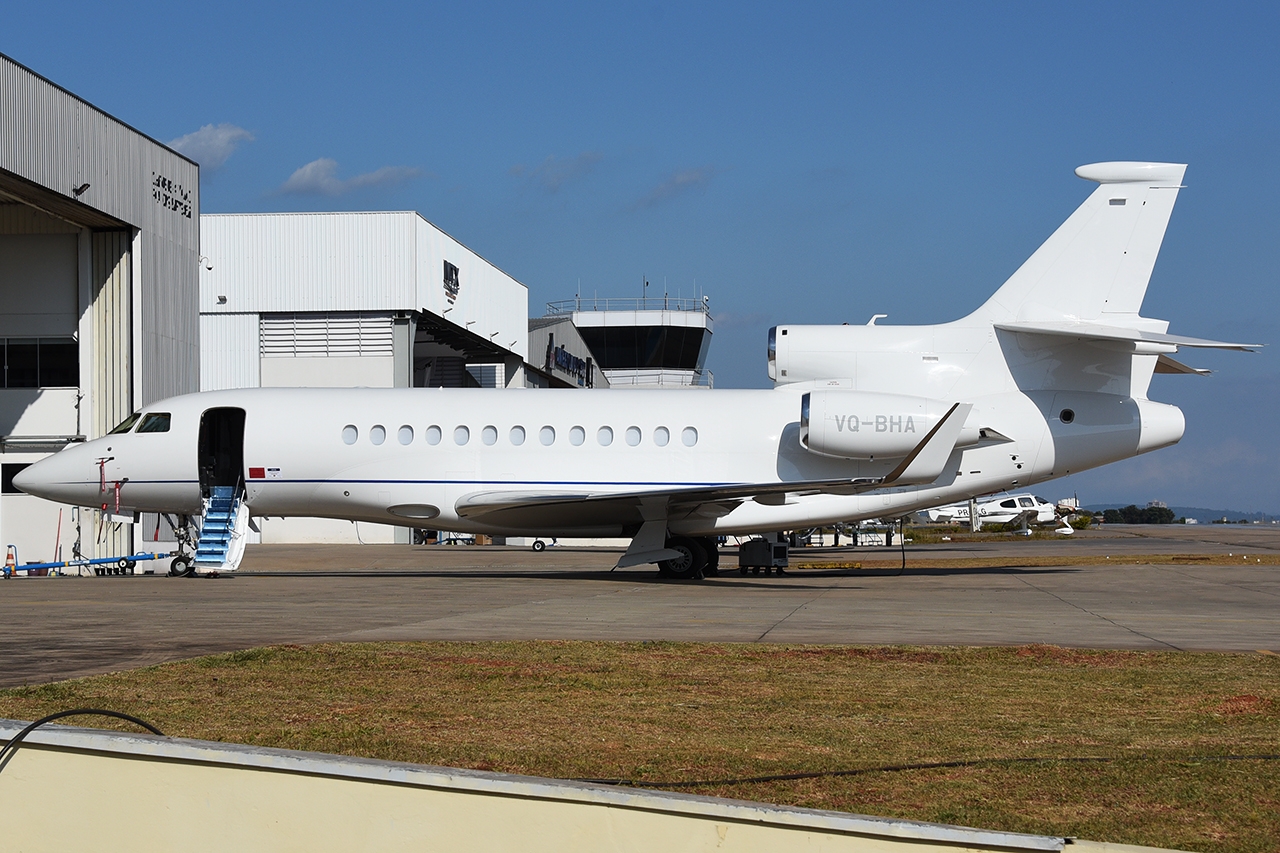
[539, 546]
[712, 569]
[691, 562]
[180, 567]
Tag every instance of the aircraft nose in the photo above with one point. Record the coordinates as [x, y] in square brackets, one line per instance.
[57, 478]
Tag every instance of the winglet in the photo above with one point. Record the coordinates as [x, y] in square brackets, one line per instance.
[926, 463]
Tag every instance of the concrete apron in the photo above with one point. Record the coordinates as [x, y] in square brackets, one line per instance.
[146, 793]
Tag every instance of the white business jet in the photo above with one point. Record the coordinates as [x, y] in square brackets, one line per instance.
[1001, 509]
[1047, 378]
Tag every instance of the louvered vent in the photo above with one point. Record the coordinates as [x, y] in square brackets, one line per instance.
[321, 334]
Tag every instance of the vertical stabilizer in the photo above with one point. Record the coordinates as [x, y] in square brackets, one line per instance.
[1096, 266]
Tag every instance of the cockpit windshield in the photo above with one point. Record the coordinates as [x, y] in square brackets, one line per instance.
[126, 424]
[155, 422]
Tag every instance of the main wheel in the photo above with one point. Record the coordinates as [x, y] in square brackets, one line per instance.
[180, 567]
[712, 550]
[539, 545]
[690, 563]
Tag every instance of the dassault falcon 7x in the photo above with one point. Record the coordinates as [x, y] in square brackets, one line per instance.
[1048, 377]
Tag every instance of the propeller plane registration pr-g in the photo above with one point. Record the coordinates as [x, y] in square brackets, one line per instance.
[1047, 378]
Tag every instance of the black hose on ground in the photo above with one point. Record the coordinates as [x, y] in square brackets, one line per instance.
[16, 741]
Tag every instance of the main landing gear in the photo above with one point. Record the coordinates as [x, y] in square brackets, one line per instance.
[699, 558]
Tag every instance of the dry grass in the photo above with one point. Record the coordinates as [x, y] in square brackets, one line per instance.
[668, 712]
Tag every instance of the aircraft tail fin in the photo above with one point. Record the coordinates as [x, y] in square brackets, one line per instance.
[1096, 266]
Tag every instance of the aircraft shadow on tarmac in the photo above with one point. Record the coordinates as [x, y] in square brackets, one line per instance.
[728, 577]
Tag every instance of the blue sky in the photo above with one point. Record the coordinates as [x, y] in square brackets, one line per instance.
[798, 162]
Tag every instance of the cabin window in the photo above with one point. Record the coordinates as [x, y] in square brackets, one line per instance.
[489, 435]
[577, 435]
[689, 436]
[461, 435]
[378, 434]
[633, 435]
[405, 435]
[433, 434]
[661, 436]
[1026, 502]
[547, 435]
[155, 422]
[126, 424]
[350, 434]
[517, 435]
[1009, 504]
[604, 436]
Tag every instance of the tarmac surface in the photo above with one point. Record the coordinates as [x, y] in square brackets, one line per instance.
[57, 628]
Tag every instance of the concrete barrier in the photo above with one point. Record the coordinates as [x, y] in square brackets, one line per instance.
[141, 793]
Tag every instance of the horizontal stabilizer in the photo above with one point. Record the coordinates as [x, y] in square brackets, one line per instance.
[1098, 332]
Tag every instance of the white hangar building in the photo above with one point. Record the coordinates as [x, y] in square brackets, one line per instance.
[381, 300]
[99, 250]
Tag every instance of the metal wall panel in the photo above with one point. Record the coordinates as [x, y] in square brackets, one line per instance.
[488, 302]
[229, 352]
[282, 262]
[53, 139]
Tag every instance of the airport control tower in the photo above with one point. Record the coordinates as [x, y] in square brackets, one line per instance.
[644, 342]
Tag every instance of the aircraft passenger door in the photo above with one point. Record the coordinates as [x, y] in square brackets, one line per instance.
[221, 451]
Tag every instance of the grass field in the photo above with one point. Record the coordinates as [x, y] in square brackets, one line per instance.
[664, 713]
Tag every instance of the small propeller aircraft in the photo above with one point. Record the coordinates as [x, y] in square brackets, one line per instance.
[1048, 377]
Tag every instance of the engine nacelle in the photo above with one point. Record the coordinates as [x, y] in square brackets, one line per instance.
[868, 425]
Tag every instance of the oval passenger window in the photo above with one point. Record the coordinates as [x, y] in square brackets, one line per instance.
[547, 435]
[605, 436]
[378, 434]
[633, 435]
[461, 435]
[405, 434]
[661, 436]
[433, 434]
[489, 435]
[350, 434]
[689, 436]
[517, 435]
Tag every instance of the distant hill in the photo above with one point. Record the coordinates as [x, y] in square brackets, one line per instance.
[1199, 513]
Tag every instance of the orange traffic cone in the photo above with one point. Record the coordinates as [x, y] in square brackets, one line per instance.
[10, 562]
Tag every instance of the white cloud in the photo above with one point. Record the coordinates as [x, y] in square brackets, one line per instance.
[211, 145]
[677, 184]
[320, 177]
[553, 173]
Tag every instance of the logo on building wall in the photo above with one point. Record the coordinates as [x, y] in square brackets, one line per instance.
[171, 195]
[451, 284]
[558, 358]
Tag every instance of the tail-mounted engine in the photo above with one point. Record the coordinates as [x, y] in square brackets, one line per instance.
[869, 425]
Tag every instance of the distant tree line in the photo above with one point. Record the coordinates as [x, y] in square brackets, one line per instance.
[1133, 515]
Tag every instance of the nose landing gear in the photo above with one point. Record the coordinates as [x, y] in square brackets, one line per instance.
[182, 564]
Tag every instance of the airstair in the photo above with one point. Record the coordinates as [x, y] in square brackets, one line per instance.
[222, 536]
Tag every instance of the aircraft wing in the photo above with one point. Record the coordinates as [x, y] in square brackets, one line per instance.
[594, 509]
[589, 508]
[1097, 331]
